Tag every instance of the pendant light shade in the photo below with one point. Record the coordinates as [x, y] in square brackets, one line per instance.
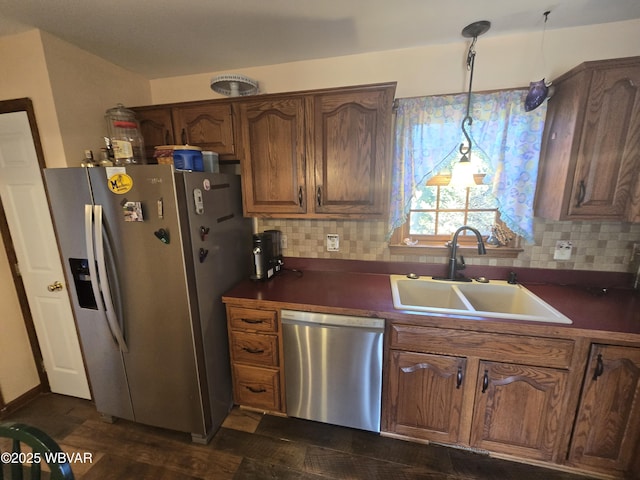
[462, 174]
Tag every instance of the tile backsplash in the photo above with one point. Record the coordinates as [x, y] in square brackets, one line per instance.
[599, 246]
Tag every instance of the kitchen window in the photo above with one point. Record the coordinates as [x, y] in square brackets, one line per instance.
[425, 211]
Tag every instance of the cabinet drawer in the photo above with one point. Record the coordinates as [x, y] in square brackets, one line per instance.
[252, 319]
[257, 387]
[254, 348]
[548, 352]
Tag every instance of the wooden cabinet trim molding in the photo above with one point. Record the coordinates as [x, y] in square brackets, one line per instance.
[539, 351]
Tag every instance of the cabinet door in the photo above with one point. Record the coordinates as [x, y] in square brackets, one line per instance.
[425, 395]
[351, 139]
[607, 427]
[609, 154]
[273, 166]
[156, 128]
[208, 126]
[518, 409]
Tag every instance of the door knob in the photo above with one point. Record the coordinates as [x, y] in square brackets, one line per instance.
[55, 287]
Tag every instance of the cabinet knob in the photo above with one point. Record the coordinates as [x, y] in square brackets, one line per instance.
[300, 196]
[319, 196]
[485, 381]
[183, 137]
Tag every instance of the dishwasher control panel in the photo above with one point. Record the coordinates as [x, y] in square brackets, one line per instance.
[331, 319]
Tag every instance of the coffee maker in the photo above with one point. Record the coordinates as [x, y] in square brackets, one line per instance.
[267, 254]
[276, 249]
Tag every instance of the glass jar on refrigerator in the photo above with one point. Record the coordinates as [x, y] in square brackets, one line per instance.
[124, 133]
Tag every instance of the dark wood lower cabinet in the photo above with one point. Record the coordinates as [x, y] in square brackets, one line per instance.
[427, 395]
[607, 429]
[518, 409]
[256, 363]
[490, 393]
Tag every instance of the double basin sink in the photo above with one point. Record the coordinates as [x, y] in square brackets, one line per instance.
[496, 299]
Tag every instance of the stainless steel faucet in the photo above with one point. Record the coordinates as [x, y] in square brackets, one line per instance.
[453, 261]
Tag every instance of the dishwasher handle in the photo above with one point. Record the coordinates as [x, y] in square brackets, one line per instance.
[324, 319]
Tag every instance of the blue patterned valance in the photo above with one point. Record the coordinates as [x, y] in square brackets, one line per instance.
[428, 134]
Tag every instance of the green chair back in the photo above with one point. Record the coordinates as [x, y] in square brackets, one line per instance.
[43, 449]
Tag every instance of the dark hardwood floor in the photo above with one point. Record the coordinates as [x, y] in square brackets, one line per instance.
[255, 446]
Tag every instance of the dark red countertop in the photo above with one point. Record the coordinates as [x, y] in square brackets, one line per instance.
[344, 290]
[616, 310]
[591, 309]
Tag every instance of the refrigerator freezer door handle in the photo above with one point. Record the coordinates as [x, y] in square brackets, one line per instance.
[104, 282]
[91, 259]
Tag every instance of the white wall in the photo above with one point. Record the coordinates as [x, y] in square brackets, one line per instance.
[501, 62]
[24, 74]
[70, 90]
[84, 86]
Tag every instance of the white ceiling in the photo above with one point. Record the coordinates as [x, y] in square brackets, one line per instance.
[162, 38]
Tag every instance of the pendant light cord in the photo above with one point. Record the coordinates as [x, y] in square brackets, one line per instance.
[467, 120]
[544, 34]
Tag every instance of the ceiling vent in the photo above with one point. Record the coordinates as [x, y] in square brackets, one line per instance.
[233, 85]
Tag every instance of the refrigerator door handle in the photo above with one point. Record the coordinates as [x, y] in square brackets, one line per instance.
[114, 283]
[91, 259]
[104, 282]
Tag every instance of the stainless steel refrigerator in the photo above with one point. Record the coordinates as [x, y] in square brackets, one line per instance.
[148, 252]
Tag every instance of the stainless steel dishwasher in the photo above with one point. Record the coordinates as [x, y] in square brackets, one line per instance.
[333, 368]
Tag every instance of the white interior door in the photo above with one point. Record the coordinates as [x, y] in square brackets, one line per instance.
[27, 211]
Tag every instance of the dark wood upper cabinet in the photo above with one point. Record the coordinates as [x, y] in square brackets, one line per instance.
[156, 126]
[273, 140]
[208, 125]
[318, 154]
[590, 156]
[312, 154]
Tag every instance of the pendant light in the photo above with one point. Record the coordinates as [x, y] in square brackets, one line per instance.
[462, 173]
[539, 90]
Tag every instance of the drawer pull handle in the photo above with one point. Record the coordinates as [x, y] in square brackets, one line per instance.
[300, 196]
[599, 367]
[183, 136]
[251, 321]
[459, 378]
[253, 350]
[485, 381]
[256, 390]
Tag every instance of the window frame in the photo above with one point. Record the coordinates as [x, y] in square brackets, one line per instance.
[439, 244]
